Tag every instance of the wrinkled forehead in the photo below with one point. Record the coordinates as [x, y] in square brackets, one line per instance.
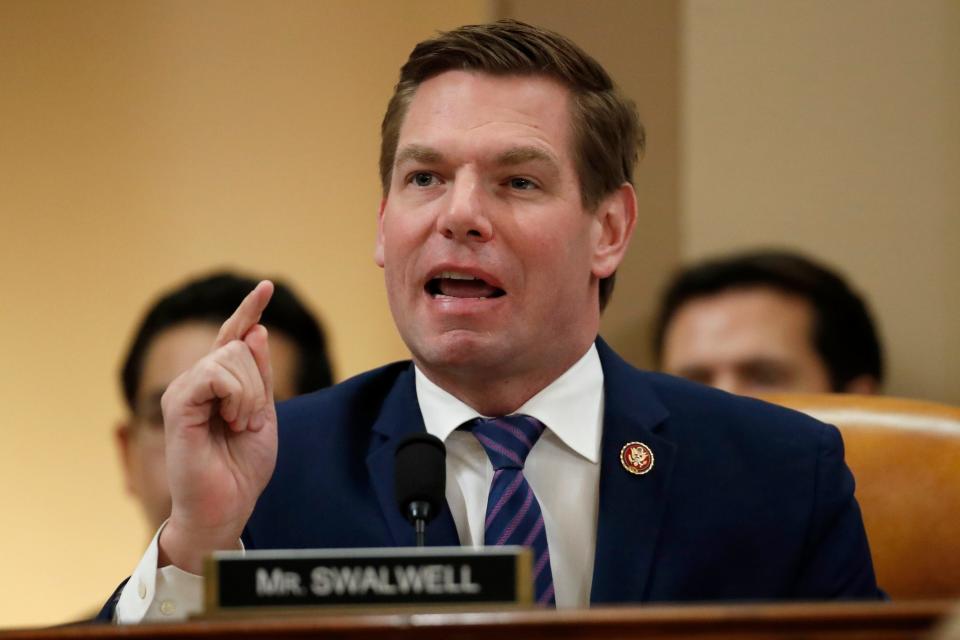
[477, 108]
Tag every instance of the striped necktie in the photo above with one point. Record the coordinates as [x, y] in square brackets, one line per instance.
[513, 513]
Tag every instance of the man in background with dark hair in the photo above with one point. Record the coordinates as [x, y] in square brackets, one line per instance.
[176, 332]
[767, 321]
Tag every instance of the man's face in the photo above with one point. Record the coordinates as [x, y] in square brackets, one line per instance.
[491, 261]
[747, 341]
[172, 352]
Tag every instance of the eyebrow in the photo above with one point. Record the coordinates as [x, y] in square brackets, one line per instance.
[510, 157]
[418, 153]
[521, 155]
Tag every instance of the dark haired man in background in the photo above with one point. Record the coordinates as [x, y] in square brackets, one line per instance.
[177, 331]
[767, 321]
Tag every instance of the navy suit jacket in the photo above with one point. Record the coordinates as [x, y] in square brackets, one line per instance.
[746, 500]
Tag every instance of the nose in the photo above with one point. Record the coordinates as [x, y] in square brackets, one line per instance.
[465, 214]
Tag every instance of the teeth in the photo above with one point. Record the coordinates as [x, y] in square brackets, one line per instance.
[453, 275]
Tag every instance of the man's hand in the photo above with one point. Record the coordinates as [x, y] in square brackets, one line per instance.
[221, 438]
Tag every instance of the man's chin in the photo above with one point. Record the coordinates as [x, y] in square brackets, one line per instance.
[460, 351]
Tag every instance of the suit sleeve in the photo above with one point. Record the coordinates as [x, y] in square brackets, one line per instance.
[108, 610]
[836, 561]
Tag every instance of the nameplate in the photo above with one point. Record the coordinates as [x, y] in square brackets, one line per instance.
[291, 581]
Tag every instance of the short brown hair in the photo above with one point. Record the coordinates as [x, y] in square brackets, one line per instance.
[607, 134]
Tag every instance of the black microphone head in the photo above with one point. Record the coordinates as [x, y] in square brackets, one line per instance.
[420, 475]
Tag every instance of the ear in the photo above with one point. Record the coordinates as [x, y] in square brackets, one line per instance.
[865, 385]
[123, 436]
[378, 251]
[616, 218]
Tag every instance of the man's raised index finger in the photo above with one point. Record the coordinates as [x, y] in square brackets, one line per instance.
[247, 314]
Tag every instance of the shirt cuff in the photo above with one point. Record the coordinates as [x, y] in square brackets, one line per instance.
[155, 595]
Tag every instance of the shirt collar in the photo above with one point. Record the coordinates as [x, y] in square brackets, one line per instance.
[571, 406]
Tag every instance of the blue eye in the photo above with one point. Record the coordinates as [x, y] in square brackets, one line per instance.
[422, 179]
[522, 184]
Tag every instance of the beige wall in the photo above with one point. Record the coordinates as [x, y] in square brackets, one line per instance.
[834, 128]
[139, 142]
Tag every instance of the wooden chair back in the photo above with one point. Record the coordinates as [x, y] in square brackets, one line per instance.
[905, 456]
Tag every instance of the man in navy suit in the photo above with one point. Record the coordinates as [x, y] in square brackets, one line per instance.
[507, 162]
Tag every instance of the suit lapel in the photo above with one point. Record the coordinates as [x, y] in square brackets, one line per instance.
[631, 506]
[399, 417]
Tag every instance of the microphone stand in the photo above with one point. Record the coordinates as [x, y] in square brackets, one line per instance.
[420, 513]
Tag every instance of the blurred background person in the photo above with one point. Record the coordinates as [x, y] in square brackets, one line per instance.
[177, 331]
[767, 321]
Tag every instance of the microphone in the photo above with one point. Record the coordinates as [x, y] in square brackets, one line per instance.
[420, 479]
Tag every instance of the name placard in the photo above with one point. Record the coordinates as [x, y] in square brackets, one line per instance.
[291, 581]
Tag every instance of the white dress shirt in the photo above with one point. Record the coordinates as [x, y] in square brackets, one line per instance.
[563, 469]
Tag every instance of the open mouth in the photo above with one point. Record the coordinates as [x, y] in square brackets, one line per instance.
[450, 284]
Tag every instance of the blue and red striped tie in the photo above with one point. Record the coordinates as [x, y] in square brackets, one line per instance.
[513, 513]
